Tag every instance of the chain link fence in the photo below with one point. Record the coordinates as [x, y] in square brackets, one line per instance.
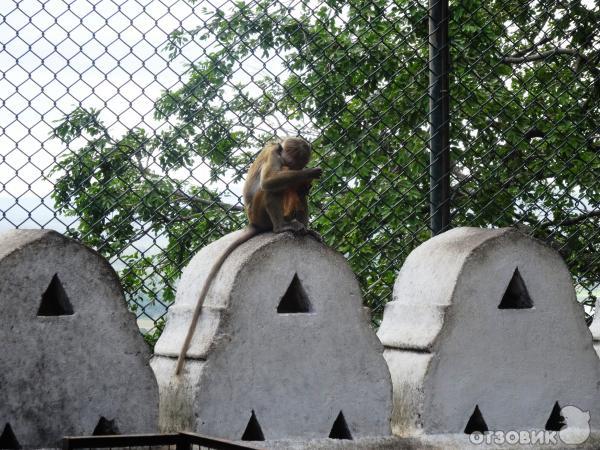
[129, 124]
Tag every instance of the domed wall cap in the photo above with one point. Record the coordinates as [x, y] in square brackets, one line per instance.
[283, 348]
[72, 353]
[484, 328]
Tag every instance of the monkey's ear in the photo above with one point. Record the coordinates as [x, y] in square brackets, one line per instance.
[279, 148]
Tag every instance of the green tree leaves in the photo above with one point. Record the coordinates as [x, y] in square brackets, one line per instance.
[353, 77]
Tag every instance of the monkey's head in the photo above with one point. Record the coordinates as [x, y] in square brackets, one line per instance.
[295, 152]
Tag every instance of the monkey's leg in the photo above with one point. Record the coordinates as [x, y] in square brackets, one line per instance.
[301, 212]
[302, 216]
[274, 206]
[258, 215]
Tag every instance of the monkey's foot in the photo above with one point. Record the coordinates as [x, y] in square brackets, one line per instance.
[294, 226]
[315, 235]
[299, 229]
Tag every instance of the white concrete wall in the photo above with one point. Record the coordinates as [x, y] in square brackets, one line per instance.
[296, 371]
[450, 347]
[60, 374]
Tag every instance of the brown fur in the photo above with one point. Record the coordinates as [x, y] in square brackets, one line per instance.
[294, 199]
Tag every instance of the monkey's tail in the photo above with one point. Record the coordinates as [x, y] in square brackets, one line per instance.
[248, 234]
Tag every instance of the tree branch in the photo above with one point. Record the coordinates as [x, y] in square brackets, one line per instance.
[573, 220]
[206, 202]
[534, 132]
[529, 49]
[514, 59]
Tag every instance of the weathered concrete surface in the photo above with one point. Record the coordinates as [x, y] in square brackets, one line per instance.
[450, 347]
[427, 442]
[59, 374]
[595, 328]
[296, 371]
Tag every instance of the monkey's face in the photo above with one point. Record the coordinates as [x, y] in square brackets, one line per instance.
[295, 156]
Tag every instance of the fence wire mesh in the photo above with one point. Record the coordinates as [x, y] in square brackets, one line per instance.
[129, 124]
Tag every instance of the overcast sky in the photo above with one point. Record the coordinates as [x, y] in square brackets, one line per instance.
[59, 54]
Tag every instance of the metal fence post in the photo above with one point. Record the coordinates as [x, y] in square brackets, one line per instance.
[439, 138]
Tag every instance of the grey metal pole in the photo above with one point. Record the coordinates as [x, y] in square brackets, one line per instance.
[439, 137]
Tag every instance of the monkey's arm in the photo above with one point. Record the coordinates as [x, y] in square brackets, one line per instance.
[274, 179]
[278, 180]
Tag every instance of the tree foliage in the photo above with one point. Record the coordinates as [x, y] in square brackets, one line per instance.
[353, 77]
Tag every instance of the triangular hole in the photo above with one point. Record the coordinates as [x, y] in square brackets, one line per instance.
[295, 299]
[476, 423]
[516, 295]
[340, 429]
[106, 427]
[253, 430]
[55, 301]
[556, 421]
[8, 438]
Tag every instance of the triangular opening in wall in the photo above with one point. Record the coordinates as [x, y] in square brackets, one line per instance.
[556, 421]
[54, 300]
[253, 430]
[476, 423]
[295, 299]
[516, 295]
[8, 438]
[106, 427]
[340, 429]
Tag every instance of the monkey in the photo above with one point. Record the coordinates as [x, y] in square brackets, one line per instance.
[276, 189]
[275, 199]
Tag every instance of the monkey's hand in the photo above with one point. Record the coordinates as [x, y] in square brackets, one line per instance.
[315, 172]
